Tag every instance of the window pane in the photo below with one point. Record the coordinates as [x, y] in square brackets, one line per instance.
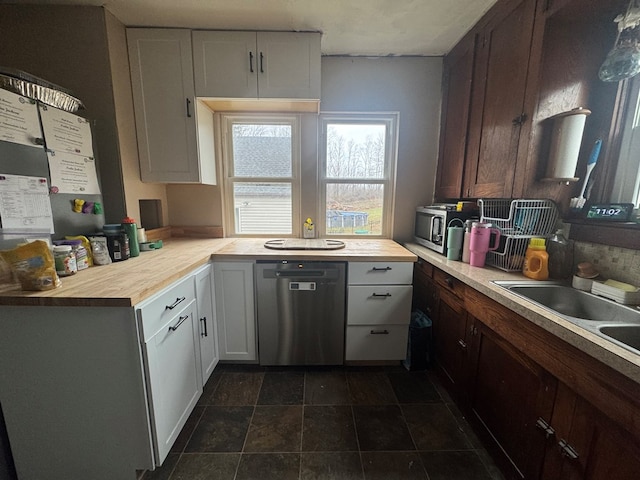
[354, 209]
[355, 150]
[261, 150]
[262, 208]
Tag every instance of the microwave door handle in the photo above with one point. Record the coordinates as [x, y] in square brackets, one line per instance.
[432, 229]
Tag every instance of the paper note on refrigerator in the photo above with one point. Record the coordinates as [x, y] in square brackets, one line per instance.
[19, 121]
[24, 204]
[73, 174]
[66, 132]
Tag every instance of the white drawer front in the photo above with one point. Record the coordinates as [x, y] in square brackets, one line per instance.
[379, 304]
[391, 273]
[380, 342]
[154, 312]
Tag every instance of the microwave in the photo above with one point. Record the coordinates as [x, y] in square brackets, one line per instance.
[431, 225]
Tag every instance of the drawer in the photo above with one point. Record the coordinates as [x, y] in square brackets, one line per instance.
[379, 304]
[371, 273]
[156, 311]
[449, 283]
[422, 268]
[382, 342]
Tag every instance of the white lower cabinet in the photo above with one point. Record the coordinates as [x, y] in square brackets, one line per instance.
[378, 310]
[171, 353]
[207, 325]
[235, 311]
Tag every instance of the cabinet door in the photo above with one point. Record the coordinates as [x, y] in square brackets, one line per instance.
[458, 72]
[289, 65]
[207, 324]
[425, 296]
[173, 376]
[500, 73]
[587, 445]
[449, 338]
[163, 96]
[235, 311]
[225, 64]
[508, 393]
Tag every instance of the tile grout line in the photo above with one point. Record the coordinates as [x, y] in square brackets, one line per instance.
[246, 436]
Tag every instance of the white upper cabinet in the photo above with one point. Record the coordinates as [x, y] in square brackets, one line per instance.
[175, 133]
[266, 65]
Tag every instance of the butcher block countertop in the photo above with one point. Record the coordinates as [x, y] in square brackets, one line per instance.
[127, 283]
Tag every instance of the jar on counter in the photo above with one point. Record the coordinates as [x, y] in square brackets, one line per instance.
[65, 260]
[82, 260]
[117, 242]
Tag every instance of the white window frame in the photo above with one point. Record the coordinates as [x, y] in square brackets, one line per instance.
[226, 122]
[391, 155]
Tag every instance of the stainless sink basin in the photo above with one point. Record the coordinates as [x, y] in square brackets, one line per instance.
[628, 335]
[606, 318]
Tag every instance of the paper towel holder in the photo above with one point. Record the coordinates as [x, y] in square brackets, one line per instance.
[566, 139]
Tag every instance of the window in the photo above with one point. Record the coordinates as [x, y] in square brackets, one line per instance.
[357, 173]
[261, 174]
[627, 181]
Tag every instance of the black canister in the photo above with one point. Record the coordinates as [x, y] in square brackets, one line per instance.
[117, 242]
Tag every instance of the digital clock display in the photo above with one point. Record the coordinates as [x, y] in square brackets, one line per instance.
[615, 212]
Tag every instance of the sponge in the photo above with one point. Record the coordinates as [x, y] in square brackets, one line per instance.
[621, 286]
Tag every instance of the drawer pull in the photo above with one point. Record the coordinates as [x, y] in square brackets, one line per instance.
[381, 295]
[204, 322]
[379, 332]
[175, 304]
[381, 269]
[449, 282]
[180, 322]
[545, 427]
[463, 344]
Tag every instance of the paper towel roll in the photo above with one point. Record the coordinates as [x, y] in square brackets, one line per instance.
[568, 128]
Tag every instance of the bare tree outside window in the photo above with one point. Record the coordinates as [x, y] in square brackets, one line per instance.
[356, 174]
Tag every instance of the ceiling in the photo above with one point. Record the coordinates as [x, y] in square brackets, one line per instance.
[349, 27]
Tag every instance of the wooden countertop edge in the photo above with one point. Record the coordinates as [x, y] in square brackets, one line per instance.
[480, 279]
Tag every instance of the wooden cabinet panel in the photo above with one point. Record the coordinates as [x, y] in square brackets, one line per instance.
[457, 80]
[500, 75]
[508, 394]
[425, 295]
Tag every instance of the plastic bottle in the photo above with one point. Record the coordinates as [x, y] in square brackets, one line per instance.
[466, 243]
[536, 260]
[131, 229]
[560, 252]
[65, 260]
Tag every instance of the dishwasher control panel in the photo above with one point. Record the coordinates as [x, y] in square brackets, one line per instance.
[302, 286]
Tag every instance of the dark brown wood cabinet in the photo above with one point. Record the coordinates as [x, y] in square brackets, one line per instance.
[457, 82]
[522, 63]
[497, 99]
[508, 394]
[544, 409]
[586, 445]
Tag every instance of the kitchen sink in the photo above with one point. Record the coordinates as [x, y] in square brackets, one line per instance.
[609, 320]
[628, 335]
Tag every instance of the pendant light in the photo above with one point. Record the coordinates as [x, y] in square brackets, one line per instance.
[623, 61]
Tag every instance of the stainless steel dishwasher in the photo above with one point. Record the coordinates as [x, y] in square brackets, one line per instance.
[301, 312]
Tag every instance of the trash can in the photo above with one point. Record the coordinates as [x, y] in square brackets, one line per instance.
[419, 342]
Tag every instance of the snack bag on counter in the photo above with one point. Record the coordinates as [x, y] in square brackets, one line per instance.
[33, 264]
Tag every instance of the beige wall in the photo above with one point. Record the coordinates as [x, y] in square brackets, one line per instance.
[134, 189]
[408, 85]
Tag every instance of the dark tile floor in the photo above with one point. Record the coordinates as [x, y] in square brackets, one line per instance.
[335, 423]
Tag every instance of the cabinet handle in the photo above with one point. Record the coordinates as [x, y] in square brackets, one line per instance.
[379, 332]
[462, 344]
[175, 304]
[381, 295]
[449, 282]
[188, 108]
[251, 62]
[180, 322]
[545, 427]
[261, 63]
[204, 322]
[567, 450]
[381, 269]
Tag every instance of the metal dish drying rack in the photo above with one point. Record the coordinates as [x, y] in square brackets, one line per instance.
[518, 221]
